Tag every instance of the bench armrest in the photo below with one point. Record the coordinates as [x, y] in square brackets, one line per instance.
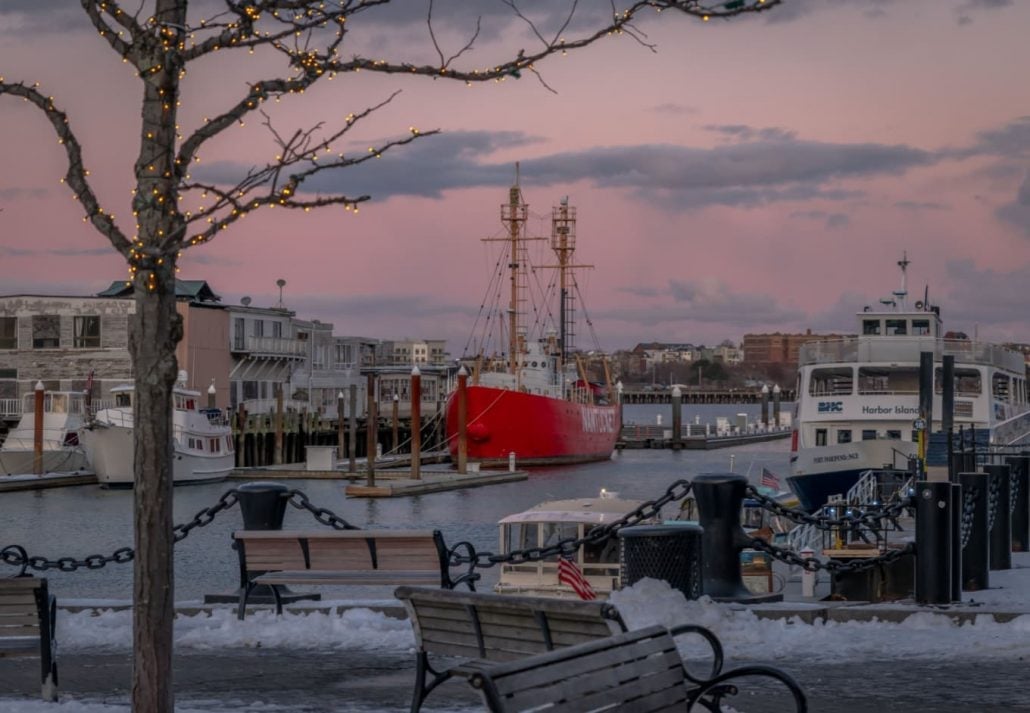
[456, 559]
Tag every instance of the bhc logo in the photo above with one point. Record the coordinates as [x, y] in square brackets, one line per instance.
[831, 406]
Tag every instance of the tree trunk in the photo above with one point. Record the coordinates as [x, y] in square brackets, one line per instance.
[156, 328]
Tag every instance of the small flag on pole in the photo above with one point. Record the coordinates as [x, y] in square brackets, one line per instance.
[569, 574]
[770, 479]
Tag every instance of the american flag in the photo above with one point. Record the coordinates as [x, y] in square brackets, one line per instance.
[569, 574]
[770, 479]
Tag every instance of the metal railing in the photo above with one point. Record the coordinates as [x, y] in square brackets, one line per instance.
[907, 349]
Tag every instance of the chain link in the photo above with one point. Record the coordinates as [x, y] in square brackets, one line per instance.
[299, 500]
[835, 566]
[853, 519]
[677, 491]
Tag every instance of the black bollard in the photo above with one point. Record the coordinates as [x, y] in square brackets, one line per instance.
[933, 542]
[719, 497]
[976, 555]
[956, 541]
[262, 505]
[999, 517]
[1020, 481]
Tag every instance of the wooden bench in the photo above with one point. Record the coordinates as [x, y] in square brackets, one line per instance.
[342, 557]
[28, 614]
[481, 629]
[635, 671]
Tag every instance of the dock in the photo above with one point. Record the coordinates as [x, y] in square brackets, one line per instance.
[31, 481]
[643, 437]
[392, 484]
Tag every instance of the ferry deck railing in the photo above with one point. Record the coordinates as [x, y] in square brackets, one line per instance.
[896, 349]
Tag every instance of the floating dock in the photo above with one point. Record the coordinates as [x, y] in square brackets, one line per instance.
[392, 484]
[653, 437]
[31, 481]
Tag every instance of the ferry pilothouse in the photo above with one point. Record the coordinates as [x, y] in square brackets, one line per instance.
[858, 397]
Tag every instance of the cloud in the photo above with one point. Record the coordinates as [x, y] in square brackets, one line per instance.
[831, 220]
[674, 109]
[55, 252]
[992, 299]
[1011, 141]
[11, 194]
[1017, 213]
[673, 177]
[919, 205]
[706, 301]
[742, 132]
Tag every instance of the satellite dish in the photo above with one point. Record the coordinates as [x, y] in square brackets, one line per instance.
[245, 301]
[280, 283]
[919, 304]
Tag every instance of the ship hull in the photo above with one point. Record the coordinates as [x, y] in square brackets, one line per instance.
[539, 430]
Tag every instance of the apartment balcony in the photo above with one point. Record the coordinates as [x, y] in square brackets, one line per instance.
[271, 347]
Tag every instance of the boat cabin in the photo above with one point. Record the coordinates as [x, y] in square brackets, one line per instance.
[551, 522]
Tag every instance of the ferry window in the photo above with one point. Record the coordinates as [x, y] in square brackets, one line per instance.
[87, 332]
[888, 380]
[967, 381]
[826, 382]
[8, 332]
[894, 435]
[820, 436]
[844, 436]
[920, 327]
[870, 327]
[868, 434]
[1000, 387]
[895, 327]
[216, 446]
[46, 331]
[915, 436]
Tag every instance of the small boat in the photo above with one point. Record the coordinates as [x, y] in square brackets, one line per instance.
[63, 415]
[552, 521]
[857, 407]
[202, 439]
[532, 398]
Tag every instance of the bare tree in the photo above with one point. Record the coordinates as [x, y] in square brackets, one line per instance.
[160, 39]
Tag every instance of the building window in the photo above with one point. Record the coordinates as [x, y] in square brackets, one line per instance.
[87, 332]
[8, 332]
[239, 331]
[8, 383]
[46, 331]
[844, 436]
[277, 329]
[259, 328]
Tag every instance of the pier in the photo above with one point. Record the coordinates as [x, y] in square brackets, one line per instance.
[693, 438]
[699, 396]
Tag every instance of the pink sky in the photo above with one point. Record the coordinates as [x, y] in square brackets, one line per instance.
[763, 174]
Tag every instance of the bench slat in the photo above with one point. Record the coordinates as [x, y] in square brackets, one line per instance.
[23, 630]
[350, 578]
[18, 599]
[330, 534]
[18, 618]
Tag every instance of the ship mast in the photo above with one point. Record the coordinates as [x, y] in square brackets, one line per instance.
[513, 215]
[901, 294]
[563, 243]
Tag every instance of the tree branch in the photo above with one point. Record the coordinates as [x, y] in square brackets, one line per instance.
[76, 176]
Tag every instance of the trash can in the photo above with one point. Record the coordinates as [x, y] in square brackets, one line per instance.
[262, 505]
[671, 553]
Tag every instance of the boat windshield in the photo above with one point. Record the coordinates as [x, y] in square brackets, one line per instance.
[123, 399]
[605, 551]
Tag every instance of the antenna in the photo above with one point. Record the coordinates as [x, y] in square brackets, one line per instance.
[281, 283]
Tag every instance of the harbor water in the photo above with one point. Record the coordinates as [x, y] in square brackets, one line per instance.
[86, 520]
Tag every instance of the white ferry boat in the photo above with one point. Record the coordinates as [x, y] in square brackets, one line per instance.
[858, 397]
[202, 440]
[550, 522]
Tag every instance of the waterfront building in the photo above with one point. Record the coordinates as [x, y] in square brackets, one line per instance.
[765, 350]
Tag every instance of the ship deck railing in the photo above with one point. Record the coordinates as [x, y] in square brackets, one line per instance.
[897, 349]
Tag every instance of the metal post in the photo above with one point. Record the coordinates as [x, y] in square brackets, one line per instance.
[956, 542]
[352, 428]
[807, 575]
[340, 430]
[37, 429]
[765, 406]
[999, 517]
[976, 554]
[677, 418]
[395, 425]
[776, 406]
[1020, 468]
[925, 407]
[371, 430]
[212, 395]
[463, 409]
[278, 454]
[948, 407]
[719, 497]
[416, 424]
[933, 542]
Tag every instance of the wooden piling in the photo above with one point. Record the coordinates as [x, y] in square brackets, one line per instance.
[352, 436]
[340, 430]
[463, 407]
[416, 424]
[371, 430]
[37, 430]
[277, 457]
[395, 440]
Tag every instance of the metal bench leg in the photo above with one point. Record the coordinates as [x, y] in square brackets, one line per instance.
[422, 691]
[241, 612]
[278, 600]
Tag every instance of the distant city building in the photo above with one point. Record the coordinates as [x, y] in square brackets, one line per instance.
[416, 351]
[764, 350]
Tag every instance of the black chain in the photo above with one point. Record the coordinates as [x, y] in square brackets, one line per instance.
[812, 564]
[299, 500]
[993, 497]
[853, 519]
[677, 491]
[969, 497]
[16, 556]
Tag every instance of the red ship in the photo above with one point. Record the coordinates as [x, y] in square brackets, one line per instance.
[536, 401]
